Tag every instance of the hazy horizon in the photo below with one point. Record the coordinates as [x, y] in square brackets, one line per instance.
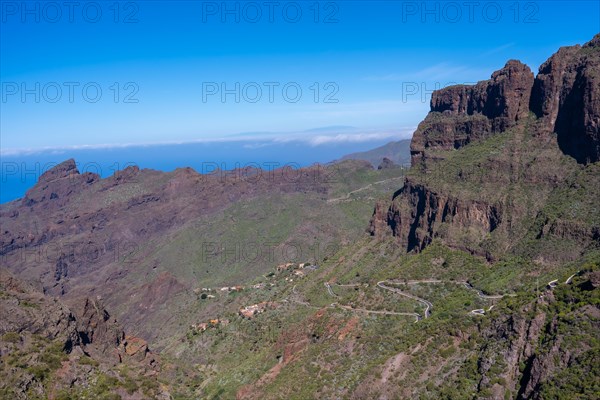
[20, 171]
[156, 72]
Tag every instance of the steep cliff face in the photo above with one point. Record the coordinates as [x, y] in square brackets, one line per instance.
[488, 157]
[462, 114]
[423, 214]
[566, 96]
[505, 95]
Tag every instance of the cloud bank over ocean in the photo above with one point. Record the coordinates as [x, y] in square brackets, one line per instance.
[312, 137]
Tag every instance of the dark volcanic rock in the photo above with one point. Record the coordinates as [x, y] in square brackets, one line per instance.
[62, 170]
[22, 308]
[30, 321]
[84, 323]
[536, 347]
[505, 95]
[386, 163]
[464, 113]
[566, 96]
[96, 326]
[459, 115]
[417, 215]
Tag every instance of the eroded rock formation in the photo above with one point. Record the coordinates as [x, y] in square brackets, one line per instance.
[538, 124]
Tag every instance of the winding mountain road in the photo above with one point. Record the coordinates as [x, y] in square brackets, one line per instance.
[328, 286]
[569, 279]
[349, 308]
[428, 305]
[347, 195]
[481, 294]
[380, 312]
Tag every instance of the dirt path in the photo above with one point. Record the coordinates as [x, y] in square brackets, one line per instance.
[347, 195]
[328, 286]
[380, 312]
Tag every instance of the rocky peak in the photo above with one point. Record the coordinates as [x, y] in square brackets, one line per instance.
[55, 185]
[38, 330]
[462, 114]
[509, 92]
[566, 98]
[505, 95]
[438, 198]
[386, 163]
[96, 326]
[63, 170]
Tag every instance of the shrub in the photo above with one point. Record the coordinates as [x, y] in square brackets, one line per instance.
[447, 352]
[149, 385]
[129, 385]
[11, 337]
[39, 371]
[26, 303]
[85, 360]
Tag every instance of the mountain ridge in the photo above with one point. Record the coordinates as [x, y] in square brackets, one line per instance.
[429, 206]
[398, 152]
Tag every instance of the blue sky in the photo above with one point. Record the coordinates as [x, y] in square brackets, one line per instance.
[158, 64]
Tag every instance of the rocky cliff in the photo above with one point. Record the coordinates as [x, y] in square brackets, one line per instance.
[566, 97]
[547, 344]
[489, 160]
[462, 114]
[48, 347]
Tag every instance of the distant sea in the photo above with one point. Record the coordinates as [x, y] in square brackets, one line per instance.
[21, 172]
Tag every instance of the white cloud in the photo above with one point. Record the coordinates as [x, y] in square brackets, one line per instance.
[314, 137]
[355, 138]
